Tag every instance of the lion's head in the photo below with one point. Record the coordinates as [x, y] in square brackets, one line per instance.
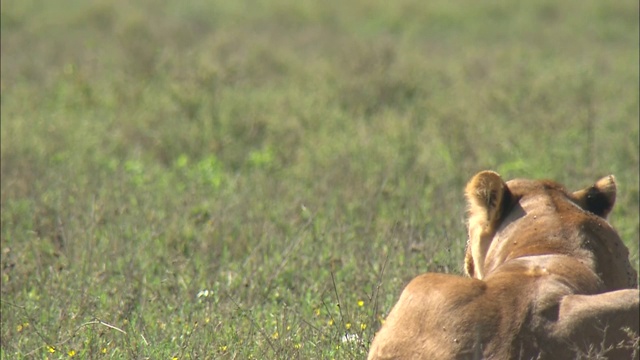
[523, 217]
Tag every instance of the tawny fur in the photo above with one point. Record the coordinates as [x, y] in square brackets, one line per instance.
[549, 279]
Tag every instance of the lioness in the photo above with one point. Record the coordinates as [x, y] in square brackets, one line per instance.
[549, 279]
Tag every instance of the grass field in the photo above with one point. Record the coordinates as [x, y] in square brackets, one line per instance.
[259, 179]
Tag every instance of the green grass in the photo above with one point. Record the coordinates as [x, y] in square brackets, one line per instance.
[258, 179]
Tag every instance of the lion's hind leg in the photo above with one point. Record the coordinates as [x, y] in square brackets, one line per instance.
[429, 322]
[604, 324]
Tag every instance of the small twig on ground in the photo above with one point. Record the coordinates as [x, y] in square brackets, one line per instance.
[260, 329]
[377, 290]
[335, 290]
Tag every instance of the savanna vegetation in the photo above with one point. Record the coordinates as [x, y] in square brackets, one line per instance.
[259, 179]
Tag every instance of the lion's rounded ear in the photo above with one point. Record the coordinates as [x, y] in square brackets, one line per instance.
[485, 195]
[599, 197]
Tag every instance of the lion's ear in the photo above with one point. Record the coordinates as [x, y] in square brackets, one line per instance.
[598, 198]
[486, 194]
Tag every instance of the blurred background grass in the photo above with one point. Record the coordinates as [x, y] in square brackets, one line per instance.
[259, 179]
